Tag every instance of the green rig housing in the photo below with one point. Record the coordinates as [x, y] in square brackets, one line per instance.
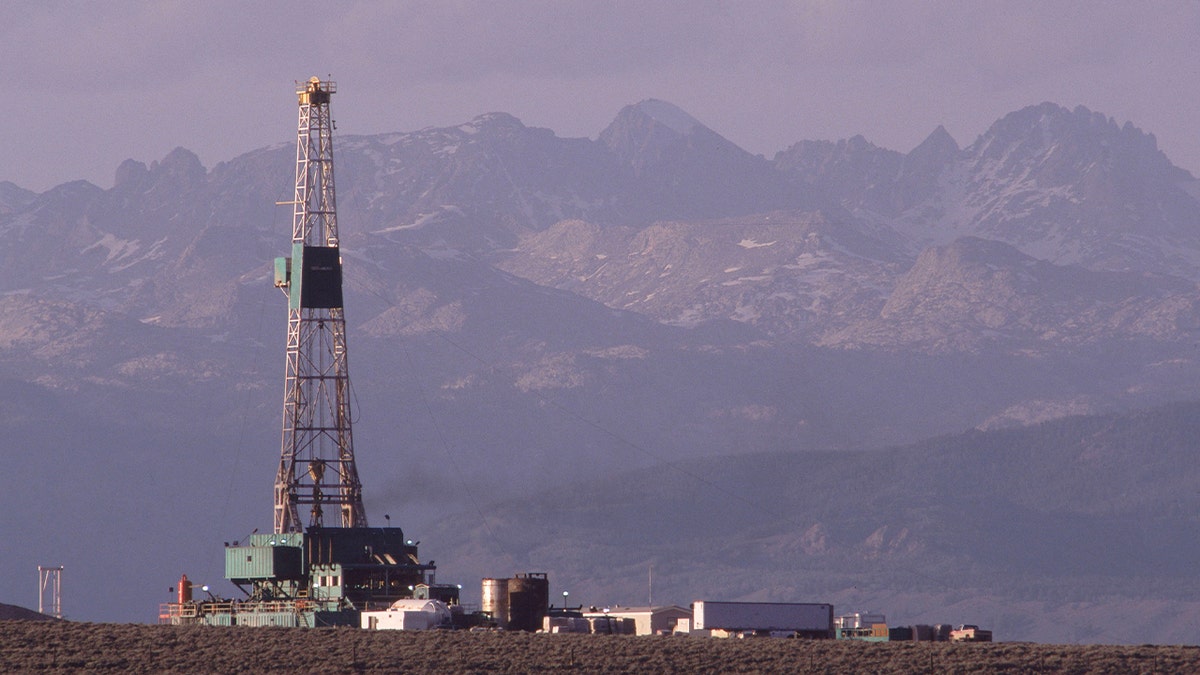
[325, 576]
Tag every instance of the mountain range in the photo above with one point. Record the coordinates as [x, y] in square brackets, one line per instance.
[533, 314]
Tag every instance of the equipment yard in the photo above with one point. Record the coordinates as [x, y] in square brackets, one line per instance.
[49, 647]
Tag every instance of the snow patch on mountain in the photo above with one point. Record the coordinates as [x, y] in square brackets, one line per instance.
[750, 243]
[117, 248]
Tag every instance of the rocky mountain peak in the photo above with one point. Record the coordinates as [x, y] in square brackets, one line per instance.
[73, 194]
[667, 114]
[131, 174]
[180, 169]
[939, 145]
[14, 197]
[1065, 186]
[811, 160]
[681, 168]
[852, 172]
[1064, 144]
[921, 169]
[641, 133]
[181, 163]
[493, 122]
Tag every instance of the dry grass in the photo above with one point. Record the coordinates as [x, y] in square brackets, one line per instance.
[134, 648]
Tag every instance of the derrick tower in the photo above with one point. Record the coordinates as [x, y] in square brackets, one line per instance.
[319, 574]
[316, 465]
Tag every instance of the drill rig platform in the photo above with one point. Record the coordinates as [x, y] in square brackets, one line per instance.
[325, 576]
[314, 575]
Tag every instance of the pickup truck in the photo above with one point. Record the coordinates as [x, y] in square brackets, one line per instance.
[969, 633]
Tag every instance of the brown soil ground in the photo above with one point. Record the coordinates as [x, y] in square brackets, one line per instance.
[27, 646]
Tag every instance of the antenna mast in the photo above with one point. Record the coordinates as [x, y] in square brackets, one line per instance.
[316, 465]
[50, 585]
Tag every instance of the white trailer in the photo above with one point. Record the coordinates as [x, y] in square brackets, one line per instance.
[808, 619]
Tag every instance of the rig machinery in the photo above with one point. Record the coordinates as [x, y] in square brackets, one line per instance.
[321, 574]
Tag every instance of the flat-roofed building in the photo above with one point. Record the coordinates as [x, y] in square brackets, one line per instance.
[649, 620]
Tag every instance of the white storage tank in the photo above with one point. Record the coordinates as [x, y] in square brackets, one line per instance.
[495, 600]
[409, 614]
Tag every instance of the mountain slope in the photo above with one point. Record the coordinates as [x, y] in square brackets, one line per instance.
[1070, 187]
[973, 291]
[789, 274]
[685, 170]
[1013, 529]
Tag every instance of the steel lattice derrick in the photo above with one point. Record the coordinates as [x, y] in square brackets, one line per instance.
[317, 466]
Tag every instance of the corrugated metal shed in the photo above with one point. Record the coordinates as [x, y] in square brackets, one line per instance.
[245, 563]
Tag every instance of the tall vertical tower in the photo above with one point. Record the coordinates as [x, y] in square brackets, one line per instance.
[316, 574]
[50, 586]
[316, 465]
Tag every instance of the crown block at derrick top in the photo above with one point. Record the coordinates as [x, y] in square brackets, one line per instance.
[315, 91]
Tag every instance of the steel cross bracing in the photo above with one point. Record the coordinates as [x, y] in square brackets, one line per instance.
[316, 465]
[50, 583]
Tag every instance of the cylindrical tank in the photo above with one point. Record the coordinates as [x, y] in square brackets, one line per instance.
[528, 601]
[495, 600]
[185, 590]
[436, 612]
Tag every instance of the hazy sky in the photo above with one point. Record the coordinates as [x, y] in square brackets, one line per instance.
[90, 84]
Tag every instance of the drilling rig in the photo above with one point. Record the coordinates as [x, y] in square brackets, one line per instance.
[319, 573]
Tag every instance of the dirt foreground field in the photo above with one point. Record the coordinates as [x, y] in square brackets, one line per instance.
[134, 648]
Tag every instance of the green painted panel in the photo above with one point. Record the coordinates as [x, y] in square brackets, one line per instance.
[245, 563]
[297, 275]
[218, 619]
[283, 272]
[287, 619]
